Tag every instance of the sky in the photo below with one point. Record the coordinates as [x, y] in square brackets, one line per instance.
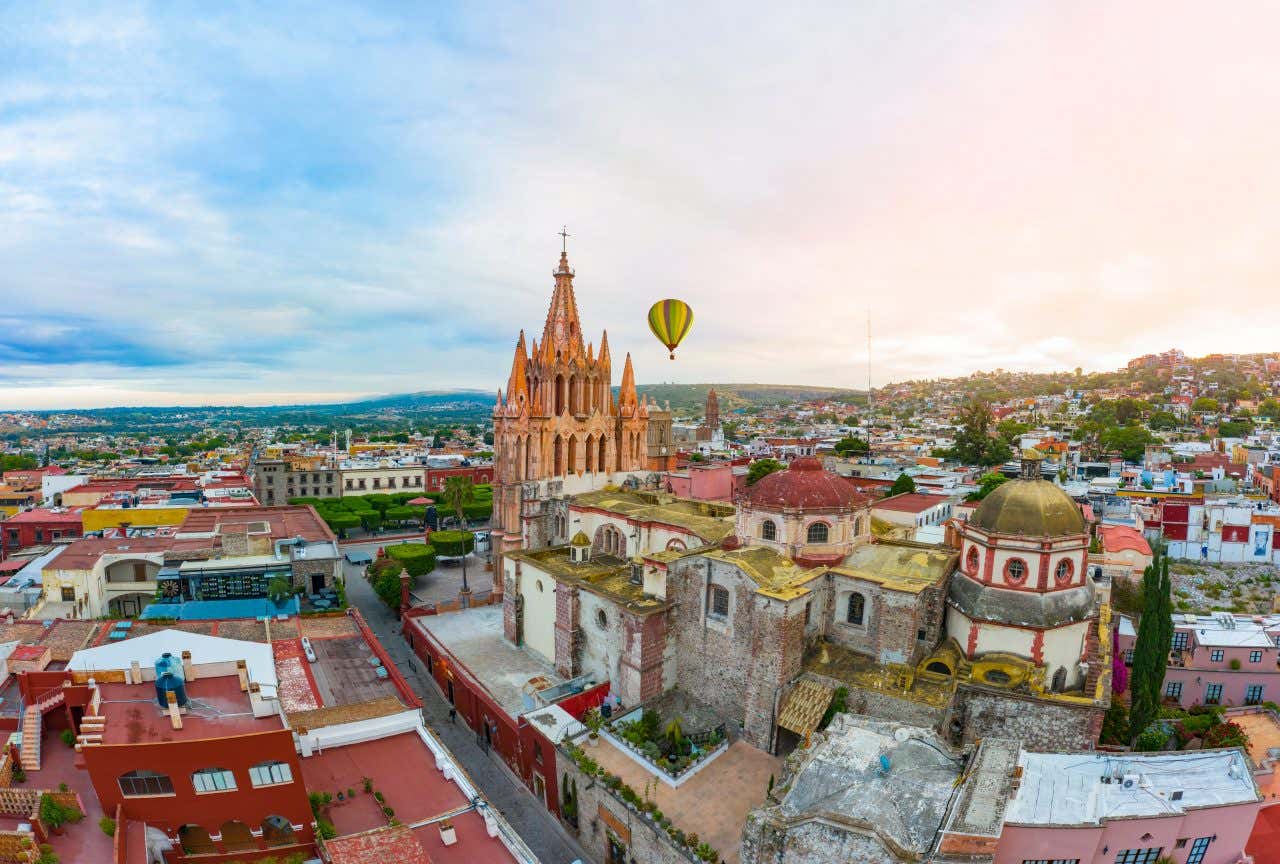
[234, 203]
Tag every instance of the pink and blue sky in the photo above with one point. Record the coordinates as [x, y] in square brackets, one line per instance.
[298, 202]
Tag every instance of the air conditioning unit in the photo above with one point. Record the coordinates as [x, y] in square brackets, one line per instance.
[1130, 781]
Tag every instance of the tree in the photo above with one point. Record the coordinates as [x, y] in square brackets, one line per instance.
[987, 484]
[1205, 405]
[1011, 430]
[850, 446]
[1234, 429]
[453, 544]
[278, 589]
[1151, 651]
[1269, 408]
[457, 493]
[1115, 724]
[1163, 420]
[975, 444]
[903, 485]
[762, 468]
[1130, 441]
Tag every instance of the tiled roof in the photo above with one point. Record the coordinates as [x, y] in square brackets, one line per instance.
[804, 485]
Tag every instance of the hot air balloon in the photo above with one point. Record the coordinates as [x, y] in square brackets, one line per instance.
[670, 321]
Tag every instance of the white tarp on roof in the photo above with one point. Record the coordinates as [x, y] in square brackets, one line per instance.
[147, 649]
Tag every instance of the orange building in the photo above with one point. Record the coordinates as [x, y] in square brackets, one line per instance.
[558, 422]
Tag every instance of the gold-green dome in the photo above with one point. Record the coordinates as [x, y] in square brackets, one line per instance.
[1032, 508]
[580, 539]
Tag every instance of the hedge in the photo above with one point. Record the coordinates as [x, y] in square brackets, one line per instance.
[404, 514]
[453, 544]
[341, 521]
[418, 558]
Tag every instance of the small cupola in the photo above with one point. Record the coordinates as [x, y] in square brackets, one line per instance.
[580, 548]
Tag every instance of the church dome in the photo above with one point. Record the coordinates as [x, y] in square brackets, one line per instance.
[804, 485]
[1032, 508]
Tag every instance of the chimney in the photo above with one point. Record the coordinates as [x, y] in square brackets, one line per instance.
[135, 672]
[188, 668]
[243, 671]
[175, 717]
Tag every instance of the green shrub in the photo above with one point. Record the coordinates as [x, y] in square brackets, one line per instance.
[68, 737]
[108, 826]
[453, 544]
[325, 829]
[418, 558]
[340, 521]
[1153, 738]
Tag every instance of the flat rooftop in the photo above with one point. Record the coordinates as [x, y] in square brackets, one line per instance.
[842, 779]
[474, 637]
[1069, 788]
[341, 675]
[217, 709]
[899, 567]
[909, 502]
[1224, 630]
[403, 769]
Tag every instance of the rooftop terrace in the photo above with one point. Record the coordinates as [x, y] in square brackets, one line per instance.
[217, 709]
[1088, 788]
[474, 638]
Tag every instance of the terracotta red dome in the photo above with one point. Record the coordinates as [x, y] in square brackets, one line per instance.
[804, 485]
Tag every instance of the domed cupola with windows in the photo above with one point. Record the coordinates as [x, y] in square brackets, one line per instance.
[1022, 587]
[804, 513]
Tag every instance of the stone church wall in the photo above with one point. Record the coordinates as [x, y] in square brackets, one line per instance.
[810, 842]
[1040, 725]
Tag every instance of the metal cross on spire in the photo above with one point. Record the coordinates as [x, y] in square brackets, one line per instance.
[564, 239]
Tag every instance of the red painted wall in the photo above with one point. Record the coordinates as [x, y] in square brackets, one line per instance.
[477, 473]
[179, 759]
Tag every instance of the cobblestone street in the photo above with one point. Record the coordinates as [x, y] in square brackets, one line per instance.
[540, 830]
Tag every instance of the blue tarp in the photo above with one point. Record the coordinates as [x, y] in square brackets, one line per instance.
[204, 610]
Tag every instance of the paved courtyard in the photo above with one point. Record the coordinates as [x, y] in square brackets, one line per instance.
[714, 803]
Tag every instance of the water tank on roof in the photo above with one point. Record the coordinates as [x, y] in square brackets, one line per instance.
[169, 679]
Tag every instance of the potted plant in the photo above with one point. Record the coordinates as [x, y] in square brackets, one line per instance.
[594, 721]
[55, 814]
[448, 836]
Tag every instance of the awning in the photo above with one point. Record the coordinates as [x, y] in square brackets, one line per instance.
[804, 706]
[357, 557]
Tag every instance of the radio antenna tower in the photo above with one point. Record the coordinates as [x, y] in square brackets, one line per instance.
[870, 405]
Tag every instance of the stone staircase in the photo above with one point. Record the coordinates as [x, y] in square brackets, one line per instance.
[33, 728]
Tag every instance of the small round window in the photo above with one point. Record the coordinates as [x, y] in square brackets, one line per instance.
[602, 620]
[1016, 571]
[1063, 571]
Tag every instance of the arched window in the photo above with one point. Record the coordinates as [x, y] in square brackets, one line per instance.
[195, 840]
[213, 780]
[717, 601]
[857, 609]
[236, 837]
[972, 560]
[1064, 571]
[276, 831]
[139, 783]
[675, 545]
[1015, 572]
[818, 532]
[1059, 680]
[270, 773]
[768, 530]
[602, 620]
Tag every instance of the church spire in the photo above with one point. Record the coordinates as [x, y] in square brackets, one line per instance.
[627, 391]
[562, 333]
[518, 384]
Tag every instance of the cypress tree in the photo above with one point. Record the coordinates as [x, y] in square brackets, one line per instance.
[1151, 651]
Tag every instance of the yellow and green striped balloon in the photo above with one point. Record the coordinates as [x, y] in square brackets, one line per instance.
[670, 321]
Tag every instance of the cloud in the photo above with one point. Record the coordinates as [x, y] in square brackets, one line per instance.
[357, 198]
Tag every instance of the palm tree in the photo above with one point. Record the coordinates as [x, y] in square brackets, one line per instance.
[458, 492]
